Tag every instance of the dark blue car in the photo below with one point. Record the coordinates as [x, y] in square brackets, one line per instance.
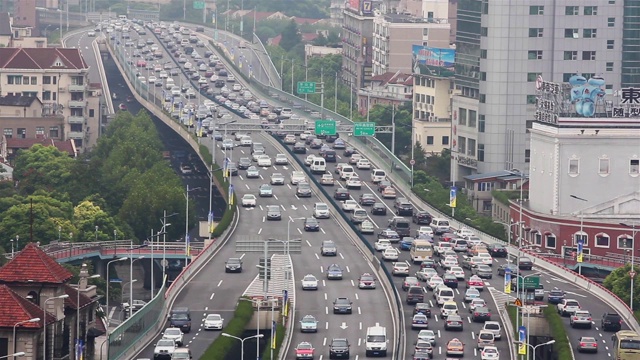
[405, 243]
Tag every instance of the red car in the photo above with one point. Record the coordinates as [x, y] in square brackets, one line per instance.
[447, 237]
[475, 282]
[304, 350]
[122, 107]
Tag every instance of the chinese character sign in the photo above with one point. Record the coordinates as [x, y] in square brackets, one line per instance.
[433, 61]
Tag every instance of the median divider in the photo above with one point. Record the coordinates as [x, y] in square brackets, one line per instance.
[222, 345]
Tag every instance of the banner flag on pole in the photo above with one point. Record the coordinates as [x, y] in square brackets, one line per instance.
[231, 194]
[580, 249]
[273, 337]
[225, 168]
[285, 300]
[522, 344]
[453, 196]
[212, 226]
[507, 281]
[188, 245]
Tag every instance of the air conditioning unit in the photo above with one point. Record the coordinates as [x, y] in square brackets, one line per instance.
[450, 91]
[62, 90]
[431, 118]
[430, 107]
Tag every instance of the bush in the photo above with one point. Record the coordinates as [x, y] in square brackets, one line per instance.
[219, 349]
[280, 330]
[562, 347]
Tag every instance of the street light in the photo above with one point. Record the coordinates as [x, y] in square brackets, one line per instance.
[163, 231]
[508, 232]
[15, 345]
[131, 282]
[632, 273]
[108, 285]
[242, 341]
[95, 276]
[18, 354]
[582, 235]
[186, 227]
[536, 346]
[44, 321]
[257, 303]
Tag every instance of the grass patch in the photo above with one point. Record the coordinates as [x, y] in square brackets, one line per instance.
[562, 347]
[219, 349]
[513, 313]
[266, 354]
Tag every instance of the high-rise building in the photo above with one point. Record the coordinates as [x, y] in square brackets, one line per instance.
[504, 47]
[357, 32]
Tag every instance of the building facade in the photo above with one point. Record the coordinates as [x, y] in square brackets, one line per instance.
[357, 34]
[503, 48]
[390, 89]
[59, 78]
[432, 113]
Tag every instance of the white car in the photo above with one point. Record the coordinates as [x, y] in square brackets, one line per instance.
[152, 79]
[163, 74]
[425, 231]
[363, 164]
[305, 135]
[297, 176]
[428, 336]
[164, 347]
[470, 294]
[449, 262]
[174, 334]
[213, 322]
[489, 353]
[390, 254]
[264, 160]
[464, 232]
[382, 244]
[202, 80]
[309, 282]
[281, 159]
[91, 34]
[231, 78]
[486, 259]
[246, 141]
[477, 302]
[400, 268]
[309, 159]
[354, 182]
[213, 78]
[188, 65]
[434, 282]
[249, 200]
[457, 271]
[290, 139]
[349, 205]
[568, 307]
[236, 87]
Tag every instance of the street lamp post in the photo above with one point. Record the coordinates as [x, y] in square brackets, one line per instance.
[44, 322]
[15, 345]
[132, 260]
[163, 231]
[534, 348]
[632, 274]
[95, 276]
[582, 235]
[511, 223]
[242, 341]
[108, 285]
[186, 227]
[257, 303]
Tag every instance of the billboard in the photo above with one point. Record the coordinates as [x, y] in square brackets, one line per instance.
[367, 7]
[354, 4]
[433, 61]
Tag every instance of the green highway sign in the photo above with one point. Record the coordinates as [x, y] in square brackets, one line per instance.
[306, 87]
[530, 283]
[198, 5]
[364, 129]
[325, 127]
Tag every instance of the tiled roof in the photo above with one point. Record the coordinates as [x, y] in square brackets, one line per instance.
[32, 265]
[5, 24]
[68, 146]
[17, 100]
[72, 300]
[393, 78]
[41, 58]
[14, 309]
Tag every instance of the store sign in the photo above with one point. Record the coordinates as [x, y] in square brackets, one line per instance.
[463, 160]
[548, 101]
[629, 105]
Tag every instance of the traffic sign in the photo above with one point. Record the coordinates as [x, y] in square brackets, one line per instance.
[632, 274]
[198, 5]
[364, 129]
[325, 127]
[518, 302]
[532, 282]
[306, 87]
[412, 162]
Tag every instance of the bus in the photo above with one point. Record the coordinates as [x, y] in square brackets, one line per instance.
[626, 345]
[421, 250]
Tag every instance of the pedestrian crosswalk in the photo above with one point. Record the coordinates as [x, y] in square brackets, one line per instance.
[281, 279]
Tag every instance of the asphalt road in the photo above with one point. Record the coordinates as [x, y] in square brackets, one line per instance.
[83, 42]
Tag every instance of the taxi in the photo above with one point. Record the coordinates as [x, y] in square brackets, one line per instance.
[475, 282]
[455, 347]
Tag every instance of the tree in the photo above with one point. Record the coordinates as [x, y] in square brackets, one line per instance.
[290, 36]
[418, 154]
[42, 167]
[321, 40]
[619, 283]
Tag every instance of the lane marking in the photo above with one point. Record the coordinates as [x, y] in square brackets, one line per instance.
[219, 283]
[212, 295]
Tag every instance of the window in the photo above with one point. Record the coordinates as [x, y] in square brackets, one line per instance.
[566, 77]
[527, 155]
[39, 130]
[34, 80]
[429, 140]
[611, 22]
[571, 10]
[612, 2]
[462, 145]
[531, 99]
[534, 54]
[483, 76]
[485, 186]
[22, 133]
[571, 33]
[8, 133]
[602, 240]
[14, 79]
[91, 112]
[571, 55]
[55, 80]
[482, 98]
[483, 54]
[46, 80]
[54, 132]
[535, 32]
[425, 32]
[603, 166]
[580, 235]
[588, 55]
[472, 118]
[609, 66]
[624, 242]
[537, 238]
[591, 10]
[550, 241]
[536, 10]
[471, 147]
[481, 123]
[480, 152]
[485, 7]
[462, 116]
[46, 95]
[589, 33]
[445, 140]
[531, 77]
[634, 167]
[574, 167]
[610, 44]
[484, 31]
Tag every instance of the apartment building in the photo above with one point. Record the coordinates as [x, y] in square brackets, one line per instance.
[502, 49]
[389, 89]
[357, 34]
[58, 77]
[432, 112]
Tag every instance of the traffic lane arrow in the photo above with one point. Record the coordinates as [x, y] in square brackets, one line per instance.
[343, 326]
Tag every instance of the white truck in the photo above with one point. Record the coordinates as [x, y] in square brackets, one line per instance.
[376, 341]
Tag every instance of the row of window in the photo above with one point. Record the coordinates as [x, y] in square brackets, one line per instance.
[569, 33]
[22, 80]
[431, 140]
[21, 133]
[467, 146]
[602, 240]
[604, 167]
[569, 10]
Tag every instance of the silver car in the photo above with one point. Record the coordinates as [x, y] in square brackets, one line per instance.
[308, 324]
[266, 190]
[253, 172]
[277, 179]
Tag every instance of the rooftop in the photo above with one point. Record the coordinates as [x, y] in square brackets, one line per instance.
[407, 18]
[33, 266]
[17, 100]
[15, 309]
[68, 146]
[42, 59]
[5, 24]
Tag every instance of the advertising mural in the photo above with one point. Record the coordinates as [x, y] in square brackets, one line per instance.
[354, 4]
[433, 61]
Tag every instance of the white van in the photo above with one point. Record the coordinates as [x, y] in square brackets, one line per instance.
[443, 294]
[346, 172]
[440, 226]
[376, 341]
[378, 175]
[184, 42]
[318, 166]
[169, 83]
[286, 112]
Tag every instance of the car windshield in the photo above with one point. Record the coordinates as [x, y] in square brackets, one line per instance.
[309, 278]
[376, 338]
[322, 207]
[176, 317]
[165, 342]
[213, 317]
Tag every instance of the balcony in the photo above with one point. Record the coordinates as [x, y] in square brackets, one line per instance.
[76, 119]
[77, 103]
[76, 135]
[77, 88]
